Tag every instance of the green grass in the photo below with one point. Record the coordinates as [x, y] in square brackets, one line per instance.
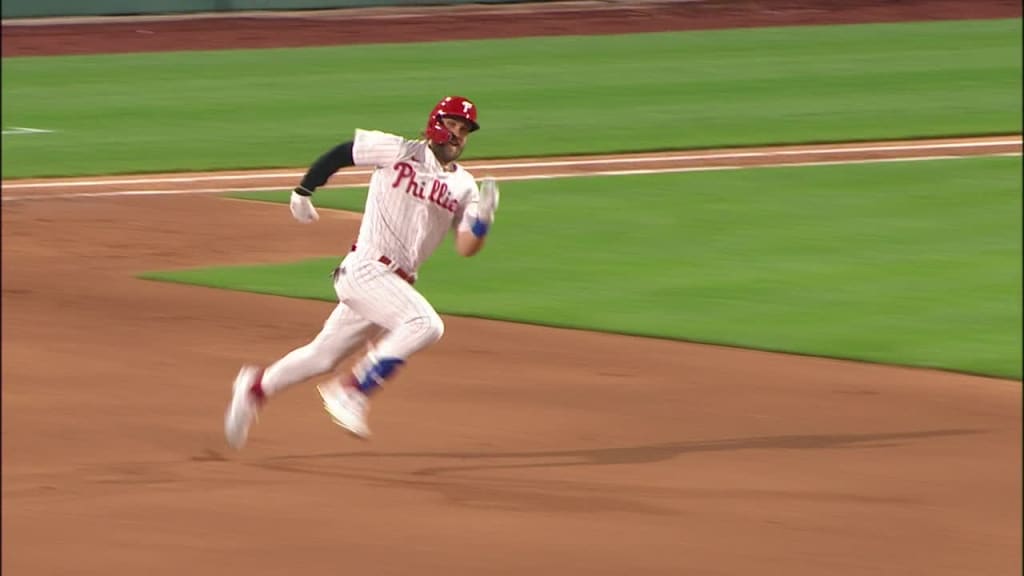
[913, 263]
[537, 96]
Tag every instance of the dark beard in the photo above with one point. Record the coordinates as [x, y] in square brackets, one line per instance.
[445, 154]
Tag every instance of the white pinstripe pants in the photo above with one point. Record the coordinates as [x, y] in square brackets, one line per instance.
[373, 300]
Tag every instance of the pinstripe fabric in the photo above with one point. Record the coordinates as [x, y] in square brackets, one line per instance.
[412, 204]
[374, 292]
[343, 332]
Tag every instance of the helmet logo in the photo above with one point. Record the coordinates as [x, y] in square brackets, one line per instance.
[466, 105]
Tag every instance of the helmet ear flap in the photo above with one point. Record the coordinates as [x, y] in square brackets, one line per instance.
[436, 131]
[450, 106]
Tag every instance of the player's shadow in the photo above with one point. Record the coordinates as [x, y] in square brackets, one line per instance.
[465, 461]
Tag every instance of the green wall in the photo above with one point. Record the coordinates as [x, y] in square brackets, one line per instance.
[46, 8]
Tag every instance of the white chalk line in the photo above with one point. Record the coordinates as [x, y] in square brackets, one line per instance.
[19, 130]
[516, 177]
[537, 164]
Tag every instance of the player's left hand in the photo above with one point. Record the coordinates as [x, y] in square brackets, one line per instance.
[302, 208]
[489, 197]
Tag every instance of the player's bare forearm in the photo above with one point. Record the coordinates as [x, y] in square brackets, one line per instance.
[468, 244]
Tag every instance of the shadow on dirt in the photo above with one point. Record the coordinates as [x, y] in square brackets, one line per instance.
[642, 454]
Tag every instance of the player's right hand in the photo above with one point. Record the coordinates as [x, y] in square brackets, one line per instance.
[302, 208]
[489, 197]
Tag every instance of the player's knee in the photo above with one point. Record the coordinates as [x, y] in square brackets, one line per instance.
[435, 329]
[429, 328]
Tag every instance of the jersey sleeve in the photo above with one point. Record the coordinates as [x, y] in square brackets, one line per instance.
[467, 211]
[374, 148]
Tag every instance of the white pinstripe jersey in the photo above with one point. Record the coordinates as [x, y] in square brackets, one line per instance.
[412, 201]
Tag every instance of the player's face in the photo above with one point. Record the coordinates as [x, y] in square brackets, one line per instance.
[451, 150]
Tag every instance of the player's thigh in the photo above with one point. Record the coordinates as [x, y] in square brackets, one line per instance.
[344, 331]
[382, 297]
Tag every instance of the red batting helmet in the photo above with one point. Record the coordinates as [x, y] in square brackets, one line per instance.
[452, 107]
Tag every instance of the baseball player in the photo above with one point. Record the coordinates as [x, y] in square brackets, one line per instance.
[417, 194]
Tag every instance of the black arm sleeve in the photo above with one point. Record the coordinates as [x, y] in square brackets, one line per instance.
[325, 166]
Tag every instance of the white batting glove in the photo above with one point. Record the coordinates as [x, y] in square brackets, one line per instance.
[489, 197]
[302, 208]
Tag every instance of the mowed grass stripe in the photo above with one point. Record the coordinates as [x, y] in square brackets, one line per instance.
[538, 96]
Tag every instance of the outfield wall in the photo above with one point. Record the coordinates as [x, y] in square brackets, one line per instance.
[47, 8]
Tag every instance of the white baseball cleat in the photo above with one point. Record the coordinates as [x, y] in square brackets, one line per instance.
[243, 409]
[347, 406]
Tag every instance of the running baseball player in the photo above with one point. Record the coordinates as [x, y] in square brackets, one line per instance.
[417, 194]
